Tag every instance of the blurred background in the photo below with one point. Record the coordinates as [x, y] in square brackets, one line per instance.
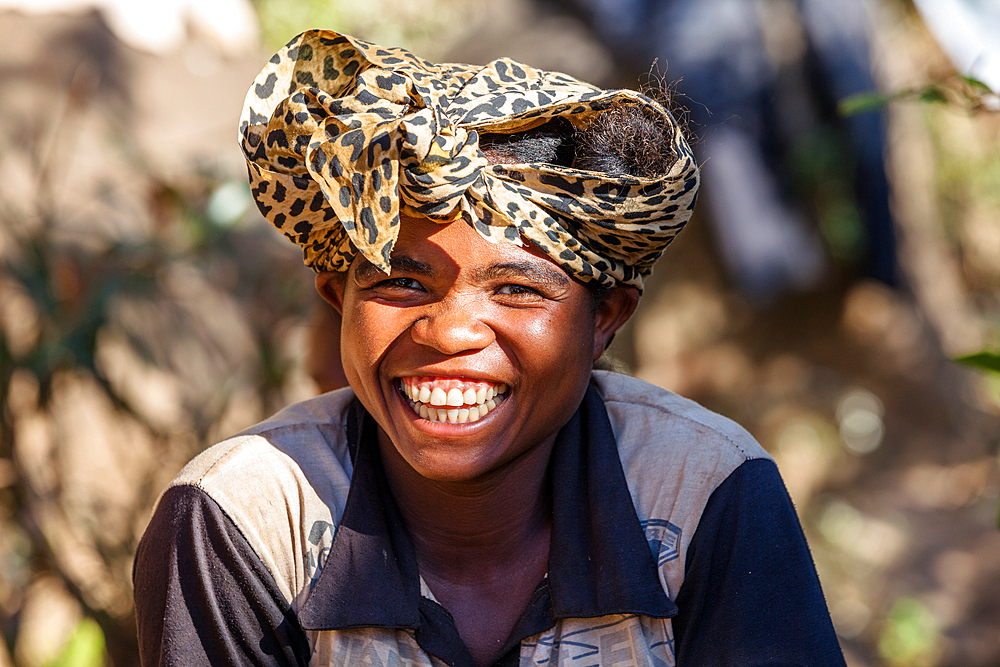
[845, 252]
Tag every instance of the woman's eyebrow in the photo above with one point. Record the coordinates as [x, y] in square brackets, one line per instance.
[368, 271]
[537, 272]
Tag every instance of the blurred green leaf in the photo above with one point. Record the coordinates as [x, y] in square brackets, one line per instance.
[910, 634]
[85, 647]
[229, 203]
[977, 84]
[280, 20]
[860, 103]
[933, 95]
[984, 361]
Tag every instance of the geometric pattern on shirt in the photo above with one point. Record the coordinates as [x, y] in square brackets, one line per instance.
[664, 539]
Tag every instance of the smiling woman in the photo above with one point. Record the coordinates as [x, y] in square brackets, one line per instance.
[478, 495]
[467, 315]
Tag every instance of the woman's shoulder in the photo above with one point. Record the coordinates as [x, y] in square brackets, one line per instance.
[283, 483]
[675, 454]
[645, 416]
[303, 439]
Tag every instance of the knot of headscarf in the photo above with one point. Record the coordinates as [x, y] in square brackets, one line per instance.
[342, 136]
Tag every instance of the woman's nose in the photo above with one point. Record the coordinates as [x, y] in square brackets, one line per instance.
[452, 327]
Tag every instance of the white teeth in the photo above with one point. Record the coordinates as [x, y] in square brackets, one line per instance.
[438, 397]
[449, 406]
[455, 415]
[455, 398]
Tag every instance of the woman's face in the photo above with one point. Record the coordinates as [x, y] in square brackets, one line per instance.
[472, 353]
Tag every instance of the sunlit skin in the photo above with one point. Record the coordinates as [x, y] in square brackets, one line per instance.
[473, 495]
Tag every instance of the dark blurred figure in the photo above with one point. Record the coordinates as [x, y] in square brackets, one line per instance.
[762, 80]
[323, 356]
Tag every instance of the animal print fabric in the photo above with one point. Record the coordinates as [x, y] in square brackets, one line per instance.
[342, 136]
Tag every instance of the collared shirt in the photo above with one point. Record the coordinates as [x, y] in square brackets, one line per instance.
[673, 542]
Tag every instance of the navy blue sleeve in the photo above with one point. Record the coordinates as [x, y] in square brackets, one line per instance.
[203, 597]
[750, 594]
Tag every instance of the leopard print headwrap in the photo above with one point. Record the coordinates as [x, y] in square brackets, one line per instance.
[341, 136]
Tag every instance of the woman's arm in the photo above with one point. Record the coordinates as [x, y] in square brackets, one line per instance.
[202, 595]
[750, 594]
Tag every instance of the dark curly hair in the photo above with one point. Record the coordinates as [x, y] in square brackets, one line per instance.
[624, 140]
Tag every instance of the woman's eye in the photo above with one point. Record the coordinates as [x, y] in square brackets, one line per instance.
[400, 283]
[518, 290]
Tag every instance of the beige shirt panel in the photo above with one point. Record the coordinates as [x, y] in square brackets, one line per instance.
[284, 483]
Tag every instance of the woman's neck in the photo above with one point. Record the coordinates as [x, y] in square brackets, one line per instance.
[464, 530]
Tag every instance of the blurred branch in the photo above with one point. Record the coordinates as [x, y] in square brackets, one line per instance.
[963, 92]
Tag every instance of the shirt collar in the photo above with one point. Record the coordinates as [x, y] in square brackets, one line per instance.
[599, 561]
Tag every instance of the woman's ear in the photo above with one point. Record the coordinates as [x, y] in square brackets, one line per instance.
[330, 285]
[612, 312]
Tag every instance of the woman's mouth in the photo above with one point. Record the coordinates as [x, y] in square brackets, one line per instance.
[452, 400]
